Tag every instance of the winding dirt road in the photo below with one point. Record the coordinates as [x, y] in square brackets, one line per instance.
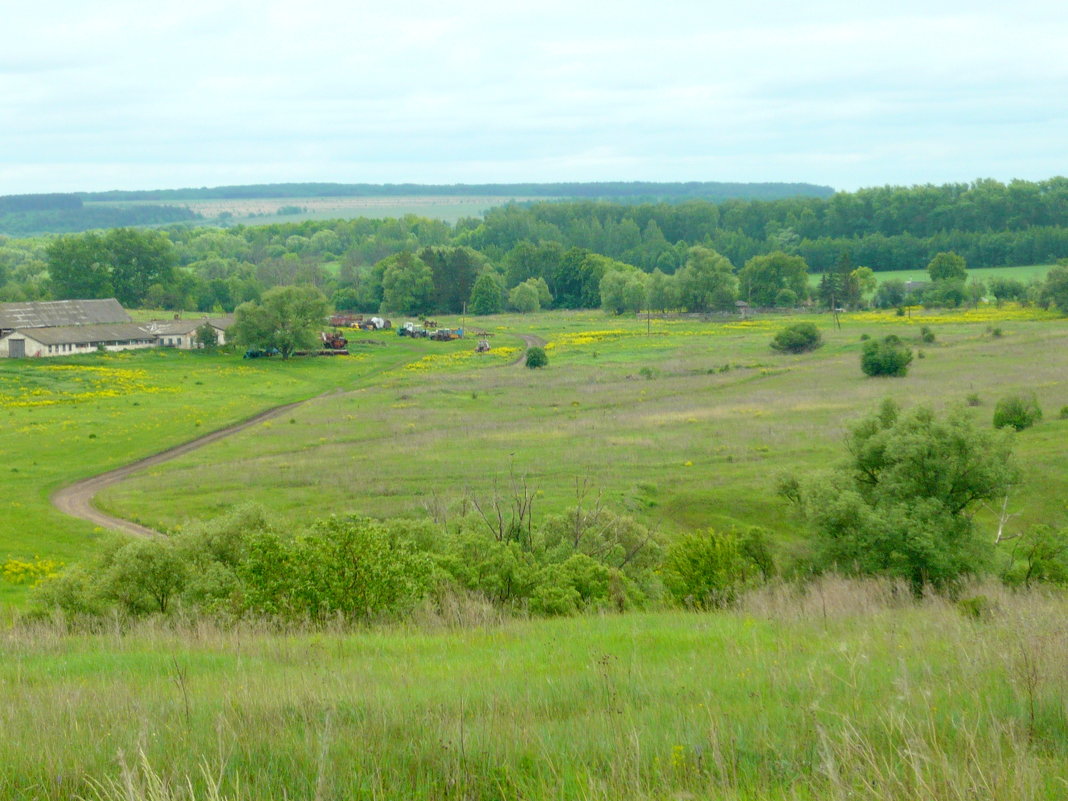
[76, 499]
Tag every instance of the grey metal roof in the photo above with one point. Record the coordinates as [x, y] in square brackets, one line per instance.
[84, 334]
[46, 314]
[188, 326]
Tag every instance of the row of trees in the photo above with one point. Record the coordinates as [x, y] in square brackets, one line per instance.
[568, 245]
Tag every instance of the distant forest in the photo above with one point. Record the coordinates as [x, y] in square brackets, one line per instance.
[67, 213]
[559, 250]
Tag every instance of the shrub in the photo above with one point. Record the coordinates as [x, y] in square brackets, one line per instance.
[927, 335]
[973, 400]
[1018, 411]
[890, 357]
[797, 338]
[709, 570]
[536, 357]
[1064, 413]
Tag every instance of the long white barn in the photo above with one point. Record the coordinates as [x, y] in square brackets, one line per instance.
[69, 327]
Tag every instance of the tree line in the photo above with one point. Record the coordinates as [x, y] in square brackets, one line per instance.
[558, 251]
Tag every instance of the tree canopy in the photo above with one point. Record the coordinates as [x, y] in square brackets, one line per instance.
[903, 503]
[286, 319]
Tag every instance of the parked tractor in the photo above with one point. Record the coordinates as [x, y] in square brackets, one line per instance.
[332, 340]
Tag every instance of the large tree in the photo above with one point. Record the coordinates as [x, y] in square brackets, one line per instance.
[947, 266]
[123, 263]
[903, 504]
[407, 285]
[707, 281]
[764, 277]
[286, 318]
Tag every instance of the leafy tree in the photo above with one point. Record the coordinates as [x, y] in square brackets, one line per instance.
[487, 294]
[662, 292]
[1004, 289]
[903, 504]
[863, 278]
[797, 338]
[707, 281]
[407, 285]
[947, 266]
[144, 575]
[207, 336]
[888, 357]
[536, 357]
[763, 277]
[890, 294]
[1055, 289]
[1040, 554]
[1017, 411]
[524, 298]
[123, 263]
[286, 318]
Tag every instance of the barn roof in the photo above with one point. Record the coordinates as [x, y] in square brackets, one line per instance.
[47, 314]
[188, 326]
[85, 334]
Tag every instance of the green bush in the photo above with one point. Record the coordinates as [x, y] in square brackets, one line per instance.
[1064, 413]
[1018, 411]
[927, 335]
[797, 338]
[709, 570]
[890, 357]
[536, 357]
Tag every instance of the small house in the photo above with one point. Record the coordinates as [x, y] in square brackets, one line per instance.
[183, 333]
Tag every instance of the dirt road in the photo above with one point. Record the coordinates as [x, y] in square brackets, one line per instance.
[76, 499]
[531, 342]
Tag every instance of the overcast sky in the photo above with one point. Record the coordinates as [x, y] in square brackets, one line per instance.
[128, 94]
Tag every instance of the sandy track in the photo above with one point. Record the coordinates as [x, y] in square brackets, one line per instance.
[76, 499]
[531, 341]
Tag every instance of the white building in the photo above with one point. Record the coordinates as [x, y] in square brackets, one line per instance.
[183, 333]
[73, 339]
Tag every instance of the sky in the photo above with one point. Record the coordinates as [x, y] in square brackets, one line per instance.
[128, 94]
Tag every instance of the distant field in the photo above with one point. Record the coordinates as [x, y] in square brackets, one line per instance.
[1023, 273]
[261, 211]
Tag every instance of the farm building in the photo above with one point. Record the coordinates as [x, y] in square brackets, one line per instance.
[69, 327]
[68, 340]
[59, 313]
[183, 333]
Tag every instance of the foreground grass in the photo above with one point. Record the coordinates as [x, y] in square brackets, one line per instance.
[681, 423]
[846, 692]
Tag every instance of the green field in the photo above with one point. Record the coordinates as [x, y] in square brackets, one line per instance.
[685, 426]
[1026, 274]
[66, 419]
[840, 690]
[843, 693]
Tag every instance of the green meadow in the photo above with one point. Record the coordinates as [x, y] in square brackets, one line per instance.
[1031, 272]
[67, 419]
[844, 692]
[681, 423]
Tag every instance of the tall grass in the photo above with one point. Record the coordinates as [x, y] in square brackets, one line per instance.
[846, 690]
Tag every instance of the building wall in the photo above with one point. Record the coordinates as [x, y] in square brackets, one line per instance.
[35, 349]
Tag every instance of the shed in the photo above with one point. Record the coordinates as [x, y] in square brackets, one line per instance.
[73, 339]
[60, 313]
